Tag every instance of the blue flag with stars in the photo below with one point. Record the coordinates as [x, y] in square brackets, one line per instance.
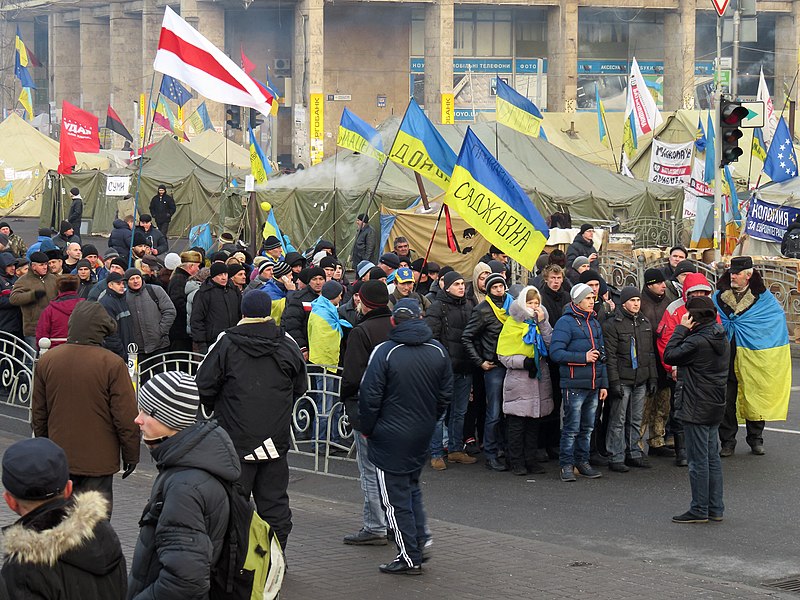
[781, 162]
[172, 89]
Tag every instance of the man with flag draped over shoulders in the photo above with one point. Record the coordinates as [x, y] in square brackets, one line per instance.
[760, 375]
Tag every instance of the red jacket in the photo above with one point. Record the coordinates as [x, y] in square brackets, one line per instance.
[675, 311]
[54, 320]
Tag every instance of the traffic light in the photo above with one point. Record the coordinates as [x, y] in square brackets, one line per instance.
[234, 114]
[731, 115]
[256, 118]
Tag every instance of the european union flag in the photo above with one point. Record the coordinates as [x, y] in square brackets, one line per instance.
[489, 199]
[171, 88]
[781, 163]
[421, 148]
[357, 135]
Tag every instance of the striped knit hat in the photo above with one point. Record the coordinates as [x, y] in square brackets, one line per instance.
[171, 398]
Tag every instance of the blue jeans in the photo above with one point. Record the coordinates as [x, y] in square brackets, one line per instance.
[705, 469]
[577, 415]
[455, 422]
[493, 380]
[374, 517]
[625, 424]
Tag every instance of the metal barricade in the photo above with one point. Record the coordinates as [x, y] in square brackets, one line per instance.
[17, 360]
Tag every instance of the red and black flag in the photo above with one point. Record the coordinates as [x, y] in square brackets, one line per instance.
[114, 123]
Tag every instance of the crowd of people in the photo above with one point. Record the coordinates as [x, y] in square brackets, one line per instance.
[437, 368]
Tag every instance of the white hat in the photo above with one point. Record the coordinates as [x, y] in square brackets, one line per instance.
[172, 261]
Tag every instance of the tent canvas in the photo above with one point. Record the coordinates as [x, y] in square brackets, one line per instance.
[212, 145]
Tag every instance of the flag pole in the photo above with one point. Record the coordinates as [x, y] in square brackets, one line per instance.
[386, 161]
[433, 237]
[750, 165]
[139, 176]
[335, 164]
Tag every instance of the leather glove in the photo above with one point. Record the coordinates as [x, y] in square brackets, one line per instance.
[652, 388]
[129, 468]
[530, 365]
[39, 294]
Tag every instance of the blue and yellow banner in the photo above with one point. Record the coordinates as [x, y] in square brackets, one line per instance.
[21, 63]
[259, 165]
[26, 100]
[325, 333]
[763, 363]
[421, 148]
[601, 117]
[357, 135]
[7, 195]
[489, 199]
[517, 112]
[758, 147]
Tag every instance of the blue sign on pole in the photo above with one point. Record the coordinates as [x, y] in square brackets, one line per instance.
[769, 222]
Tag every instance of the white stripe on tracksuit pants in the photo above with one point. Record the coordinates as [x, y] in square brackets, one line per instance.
[402, 501]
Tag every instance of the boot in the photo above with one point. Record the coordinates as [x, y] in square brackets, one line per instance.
[680, 451]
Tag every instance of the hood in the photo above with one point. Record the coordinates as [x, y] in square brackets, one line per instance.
[579, 239]
[256, 339]
[58, 530]
[693, 280]
[89, 324]
[120, 224]
[191, 285]
[413, 333]
[205, 446]
[519, 310]
[715, 334]
[65, 303]
[6, 259]
[47, 245]
[481, 267]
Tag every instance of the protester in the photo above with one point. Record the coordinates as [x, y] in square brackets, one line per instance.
[97, 402]
[237, 276]
[298, 307]
[154, 236]
[578, 266]
[116, 306]
[388, 263]
[677, 254]
[216, 307]
[675, 283]
[527, 391]
[53, 323]
[32, 293]
[404, 288]
[63, 545]
[398, 414]
[152, 315]
[365, 246]
[117, 265]
[583, 245]
[43, 243]
[72, 254]
[184, 525]
[66, 235]
[700, 350]
[121, 235]
[10, 315]
[250, 379]
[55, 261]
[162, 207]
[271, 248]
[790, 244]
[16, 245]
[190, 262]
[349, 310]
[75, 212]
[403, 250]
[87, 278]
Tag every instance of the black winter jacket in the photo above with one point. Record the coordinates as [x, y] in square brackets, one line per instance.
[702, 355]
[371, 330]
[120, 239]
[10, 314]
[365, 246]
[162, 208]
[295, 315]
[653, 307]
[250, 379]
[790, 245]
[176, 289]
[618, 332]
[447, 317]
[65, 549]
[155, 239]
[183, 526]
[580, 247]
[117, 307]
[215, 308]
[406, 388]
[75, 214]
[554, 302]
[481, 333]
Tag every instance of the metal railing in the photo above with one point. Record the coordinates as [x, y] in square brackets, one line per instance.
[17, 361]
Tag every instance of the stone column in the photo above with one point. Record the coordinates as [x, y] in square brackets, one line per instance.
[209, 19]
[679, 51]
[438, 56]
[787, 41]
[64, 63]
[307, 72]
[94, 62]
[562, 48]
[151, 30]
[125, 48]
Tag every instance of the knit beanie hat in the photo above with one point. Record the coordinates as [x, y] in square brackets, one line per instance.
[110, 253]
[450, 278]
[83, 263]
[170, 398]
[373, 294]
[579, 292]
[628, 292]
[89, 249]
[132, 272]
[256, 303]
[120, 262]
[139, 239]
[172, 261]
[234, 268]
[332, 289]
[65, 227]
[496, 266]
[653, 276]
[271, 243]
[218, 268]
[590, 275]
[363, 268]
[702, 309]
[391, 260]
[294, 258]
[280, 269]
[685, 266]
[494, 278]
[586, 227]
[306, 275]
[376, 273]
[328, 262]
[579, 262]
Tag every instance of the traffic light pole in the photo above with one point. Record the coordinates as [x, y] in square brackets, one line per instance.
[718, 172]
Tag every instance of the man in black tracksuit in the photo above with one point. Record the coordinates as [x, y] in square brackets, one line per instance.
[251, 378]
[406, 389]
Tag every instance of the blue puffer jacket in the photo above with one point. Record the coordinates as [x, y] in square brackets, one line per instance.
[575, 333]
[405, 389]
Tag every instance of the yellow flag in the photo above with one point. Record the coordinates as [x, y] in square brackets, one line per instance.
[27, 102]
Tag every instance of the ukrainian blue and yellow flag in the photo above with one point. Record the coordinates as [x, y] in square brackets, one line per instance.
[517, 112]
[700, 136]
[26, 100]
[356, 134]
[421, 148]
[21, 63]
[758, 147]
[489, 199]
[763, 363]
[711, 163]
[601, 117]
[273, 89]
[325, 333]
[259, 165]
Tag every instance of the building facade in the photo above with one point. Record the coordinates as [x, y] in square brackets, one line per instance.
[371, 56]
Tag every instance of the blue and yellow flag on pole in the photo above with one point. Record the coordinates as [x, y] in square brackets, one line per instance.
[21, 63]
[356, 134]
[517, 112]
[711, 162]
[601, 116]
[259, 166]
[758, 147]
[26, 100]
[421, 148]
[489, 199]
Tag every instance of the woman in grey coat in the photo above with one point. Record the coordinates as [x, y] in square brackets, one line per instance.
[527, 390]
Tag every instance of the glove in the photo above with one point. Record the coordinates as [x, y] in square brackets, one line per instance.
[530, 365]
[615, 390]
[129, 468]
[652, 388]
[39, 294]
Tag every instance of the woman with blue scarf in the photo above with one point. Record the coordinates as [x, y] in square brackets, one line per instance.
[527, 391]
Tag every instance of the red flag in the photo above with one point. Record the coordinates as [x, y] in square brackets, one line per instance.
[247, 65]
[81, 127]
[66, 155]
[452, 243]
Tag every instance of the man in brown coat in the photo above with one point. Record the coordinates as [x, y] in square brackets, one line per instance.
[88, 411]
[32, 293]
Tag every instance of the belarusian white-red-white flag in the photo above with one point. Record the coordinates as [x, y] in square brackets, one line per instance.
[190, 58]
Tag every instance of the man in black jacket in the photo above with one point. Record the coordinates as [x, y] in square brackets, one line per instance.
[251, 379]
[373, 328]
[154, 236]
[10, 315]
[63, 545]
[216, 307]
[583, 245]
[162, 207]
[480, 342]
[76, 212]
[406, 389]
[447, 317]
[176, 289]
[365, 246]
[700, 349]
[298, 307]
